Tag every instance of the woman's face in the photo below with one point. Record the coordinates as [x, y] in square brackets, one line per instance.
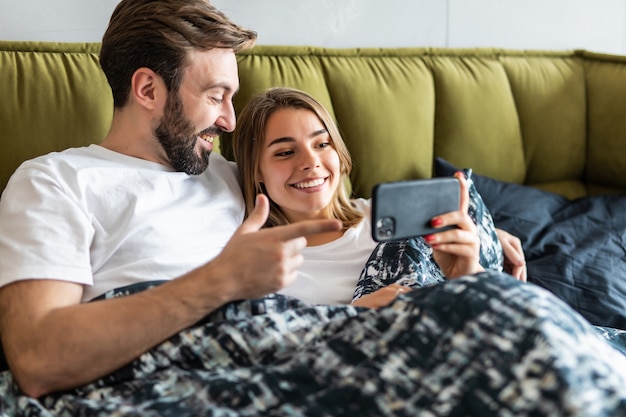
[298, 164]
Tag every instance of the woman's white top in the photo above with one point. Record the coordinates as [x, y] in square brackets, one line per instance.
[330, 271]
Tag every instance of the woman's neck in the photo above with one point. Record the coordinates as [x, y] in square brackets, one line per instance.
[322, 238]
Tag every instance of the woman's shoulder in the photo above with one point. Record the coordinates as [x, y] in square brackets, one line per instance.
[362, 204]
[365, 207]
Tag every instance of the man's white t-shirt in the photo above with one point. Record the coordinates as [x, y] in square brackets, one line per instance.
[330, 271]
[105, 220]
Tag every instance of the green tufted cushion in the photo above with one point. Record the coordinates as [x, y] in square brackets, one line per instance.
[549, 94]
[385, 105]
[476, 121]
[53, 99]
[606, 95]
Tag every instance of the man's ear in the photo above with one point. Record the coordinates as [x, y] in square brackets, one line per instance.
[147, 88]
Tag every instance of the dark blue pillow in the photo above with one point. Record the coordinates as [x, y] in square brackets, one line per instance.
[576, 249]
[520, 210]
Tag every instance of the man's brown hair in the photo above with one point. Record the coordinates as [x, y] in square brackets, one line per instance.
[158, 34]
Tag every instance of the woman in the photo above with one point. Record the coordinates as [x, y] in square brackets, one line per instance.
[288, 147]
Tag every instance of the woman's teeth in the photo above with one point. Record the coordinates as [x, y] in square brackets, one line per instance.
[309, 184]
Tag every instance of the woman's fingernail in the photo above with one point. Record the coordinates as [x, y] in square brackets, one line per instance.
[436, 222]
[429, 238]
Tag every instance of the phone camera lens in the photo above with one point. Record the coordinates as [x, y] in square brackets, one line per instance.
[386, 227]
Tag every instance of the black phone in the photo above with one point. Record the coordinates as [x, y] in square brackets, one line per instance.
[404, 209]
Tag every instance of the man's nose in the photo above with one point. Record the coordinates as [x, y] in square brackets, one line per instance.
[227, 119]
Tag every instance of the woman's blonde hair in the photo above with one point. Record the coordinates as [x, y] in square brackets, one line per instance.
[249, 137]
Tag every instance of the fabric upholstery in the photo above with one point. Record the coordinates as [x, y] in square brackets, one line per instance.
[549, 119]
[550, 100]
[606, 141]
[54, 96]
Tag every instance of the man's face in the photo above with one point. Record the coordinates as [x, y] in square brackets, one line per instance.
[199, 111]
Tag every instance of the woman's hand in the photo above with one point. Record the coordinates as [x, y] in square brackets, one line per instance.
[514, 260]
[381, 297]
[457, 250]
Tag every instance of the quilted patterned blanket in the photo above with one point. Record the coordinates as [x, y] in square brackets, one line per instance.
[483, 345]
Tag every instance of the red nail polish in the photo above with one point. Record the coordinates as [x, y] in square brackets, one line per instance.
[429, 238]
[436, 222]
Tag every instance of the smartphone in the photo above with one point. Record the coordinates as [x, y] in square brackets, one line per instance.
[404, 209]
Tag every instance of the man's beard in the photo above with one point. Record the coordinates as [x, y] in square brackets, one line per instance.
[178, 139]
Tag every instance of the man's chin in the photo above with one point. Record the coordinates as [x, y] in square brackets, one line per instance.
[195, 165]
[199, 165]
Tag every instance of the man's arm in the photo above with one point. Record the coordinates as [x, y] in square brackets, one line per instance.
[53, 342]
[514, 259]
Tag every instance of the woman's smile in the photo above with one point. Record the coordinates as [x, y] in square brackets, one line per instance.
[310, 184]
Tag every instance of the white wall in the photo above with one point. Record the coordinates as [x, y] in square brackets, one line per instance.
[54, 20]
[598, 25]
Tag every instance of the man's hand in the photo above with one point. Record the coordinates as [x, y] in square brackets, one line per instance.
[514, 260]
[257, 262]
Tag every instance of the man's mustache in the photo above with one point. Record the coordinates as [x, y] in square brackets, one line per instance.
[211, 131]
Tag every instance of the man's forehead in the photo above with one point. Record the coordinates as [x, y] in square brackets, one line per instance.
[212, 68]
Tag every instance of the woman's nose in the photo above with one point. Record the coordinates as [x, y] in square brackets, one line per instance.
[309, 160]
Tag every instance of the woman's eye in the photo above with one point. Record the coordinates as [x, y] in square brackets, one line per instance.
[283, 153]
[324, 144]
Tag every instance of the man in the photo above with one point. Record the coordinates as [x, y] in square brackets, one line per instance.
[148, 203]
